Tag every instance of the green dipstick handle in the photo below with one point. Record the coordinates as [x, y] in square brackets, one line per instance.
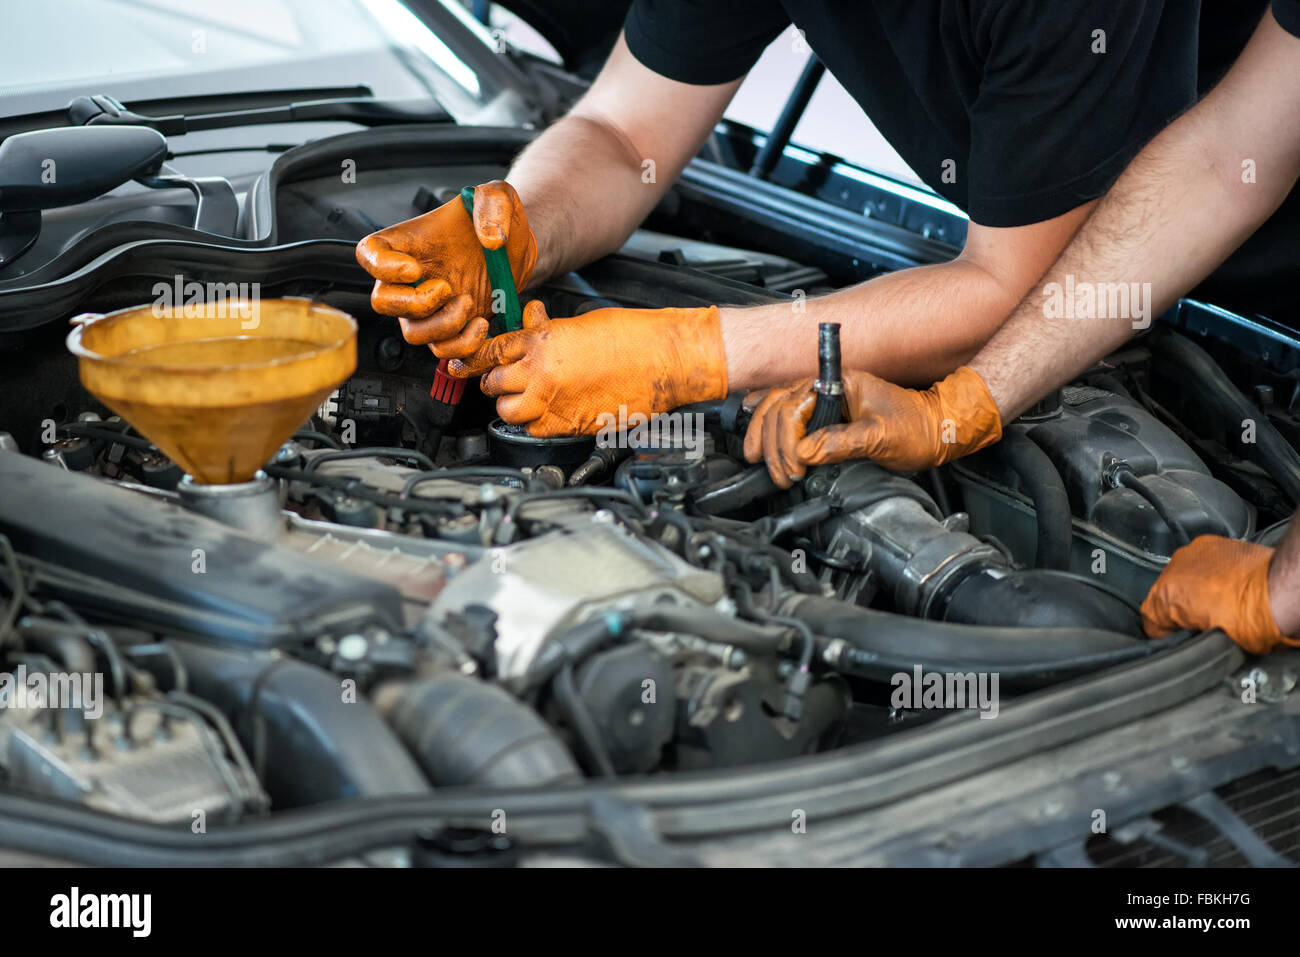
[502, 279]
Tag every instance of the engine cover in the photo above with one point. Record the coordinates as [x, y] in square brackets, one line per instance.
[540, 587]
[1091, 428]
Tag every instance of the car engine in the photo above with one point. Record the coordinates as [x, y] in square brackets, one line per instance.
[415, 596]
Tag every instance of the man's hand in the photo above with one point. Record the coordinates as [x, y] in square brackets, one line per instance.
[902, 429]
[1217, 583]
[561, 376]
[431, 274]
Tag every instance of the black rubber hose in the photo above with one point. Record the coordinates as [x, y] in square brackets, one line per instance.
[467, 733]
[713, 626]
[575, 714]
[734, 492]
[1046, 489]
[670, 517]
[62, 641]
[829, 407]
[1035, 598]
[886, 643]
[105, 434]
[588, 636]
[311, 435]
[1213, 389]
[584, 493]
[1129, 479]
[308, 744]
[358, 489]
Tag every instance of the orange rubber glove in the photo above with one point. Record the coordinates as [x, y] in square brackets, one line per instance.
[430, 272]
[561, 376]
[1216, 583]
[901, 429]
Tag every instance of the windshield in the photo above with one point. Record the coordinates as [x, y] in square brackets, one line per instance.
[154, 49]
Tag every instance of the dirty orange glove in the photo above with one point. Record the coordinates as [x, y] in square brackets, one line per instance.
[1216, 583]
[901, 429]
[561, 376]
[430, 269]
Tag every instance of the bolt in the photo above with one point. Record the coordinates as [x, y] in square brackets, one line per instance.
[353, 647]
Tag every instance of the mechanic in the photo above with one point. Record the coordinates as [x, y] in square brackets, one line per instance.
[1179, 209]
[1022, 112]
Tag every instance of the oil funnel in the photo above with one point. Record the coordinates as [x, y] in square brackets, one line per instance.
[218, 387]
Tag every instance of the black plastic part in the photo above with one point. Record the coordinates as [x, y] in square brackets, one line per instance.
[18, 231]
[728, 414]
[463, 731]
[121, 554]
[46, 169]
[1214, 392]
[513, 447]
[307, 743]
[1125, 477]
[633, 730]
[1096, 427]
[216, 205]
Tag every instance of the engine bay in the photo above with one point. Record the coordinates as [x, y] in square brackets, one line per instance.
[417, 596]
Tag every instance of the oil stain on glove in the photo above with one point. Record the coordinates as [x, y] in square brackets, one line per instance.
[561, 376]
[1216, 583]
[902, 429]
[430, 272]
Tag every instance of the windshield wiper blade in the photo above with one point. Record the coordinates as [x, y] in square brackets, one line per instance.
[364, 111]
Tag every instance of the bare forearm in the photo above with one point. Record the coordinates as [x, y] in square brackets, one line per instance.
[589, 180]
[1175, 214]
[1284, 582]
[584, 189]
[910, 327]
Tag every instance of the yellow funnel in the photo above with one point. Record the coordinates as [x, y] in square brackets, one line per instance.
[218, 387]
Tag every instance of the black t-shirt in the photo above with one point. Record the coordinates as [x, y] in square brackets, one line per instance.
[1015, 110]
[1288, 15]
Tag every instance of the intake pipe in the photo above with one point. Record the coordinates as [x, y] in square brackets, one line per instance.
[934, 568]
[307, 744]
[468, 733]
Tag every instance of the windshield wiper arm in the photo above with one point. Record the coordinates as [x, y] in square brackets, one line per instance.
[364, 111]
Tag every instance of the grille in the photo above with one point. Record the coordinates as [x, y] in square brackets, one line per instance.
[1267, 802]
